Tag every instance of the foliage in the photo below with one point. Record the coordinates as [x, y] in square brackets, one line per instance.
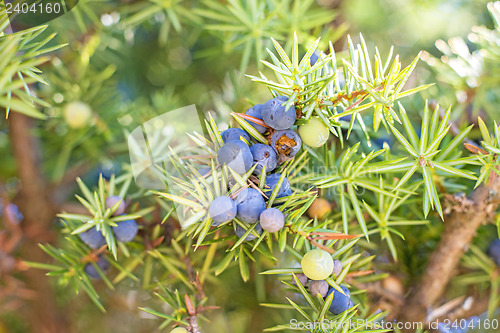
[391, 163]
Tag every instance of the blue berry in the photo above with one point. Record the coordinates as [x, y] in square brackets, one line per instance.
[385, 139]
[314, 58]
[93, 238]
[272, 220]
[286, 142]
[494, 251]
[319, 287]
[232, 134]
[275, 115]
[263, 155]
[236, 155]
[107, 170]
[250, 203]
[204, 171]
[113, 200]
[92, 272]
[11, 211]
[346, 118]
[256, 112]
[272, 181]
[240, 232]
[222, 209]
[125, 231]
[340, 302]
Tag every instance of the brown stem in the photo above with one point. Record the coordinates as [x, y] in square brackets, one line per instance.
[459, 230]
[34, 202]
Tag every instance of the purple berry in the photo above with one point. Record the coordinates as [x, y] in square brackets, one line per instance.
[272, 182]
[286, 142]
[222, 209]
[302, 279]
[337, 267]
[250, 203]
[340, 302]
[275, 115]
[232, 134]
[272, 220]
[12, 212]
[319, 287]
[256, 112]
[263, 155]
[113, 200]
[240, 232]
[125, 231]
[92, 272]
[93, 238]
[236, 155]
[494, 251]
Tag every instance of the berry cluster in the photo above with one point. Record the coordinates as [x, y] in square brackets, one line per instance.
[317, 265]
[249, 206]
[275, 121]
[125, 231]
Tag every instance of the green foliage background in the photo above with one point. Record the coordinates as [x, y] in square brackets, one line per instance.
[134, 60]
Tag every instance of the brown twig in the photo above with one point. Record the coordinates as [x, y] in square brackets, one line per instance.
[34, 202]
[459, 230]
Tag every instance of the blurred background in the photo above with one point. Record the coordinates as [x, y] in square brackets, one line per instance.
[131, 60]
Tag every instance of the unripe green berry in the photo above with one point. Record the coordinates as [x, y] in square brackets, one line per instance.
[314, 133]
[179, 330]
[77, 114]
[317, 264]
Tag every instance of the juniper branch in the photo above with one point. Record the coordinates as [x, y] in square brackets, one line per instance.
[459, 231]
[38, 213]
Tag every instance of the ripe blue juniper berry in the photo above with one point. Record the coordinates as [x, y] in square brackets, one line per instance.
[272, 182]
[92, 272]
[275, 115]
[314, 58]
[494, 251]
[113, 200]
[12, 212]
[240, 232]
[222, 209]
[340, 302]
[232, 134]
[384, 139]
[256, 112]
[236, 155]
[250, 203]
[204, 171]
[93, 238]
[264, 155]
[125, 231]
[286, 142]
[272, 220]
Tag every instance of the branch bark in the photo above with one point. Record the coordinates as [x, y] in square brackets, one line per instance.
[35, 204]
[459, 230]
